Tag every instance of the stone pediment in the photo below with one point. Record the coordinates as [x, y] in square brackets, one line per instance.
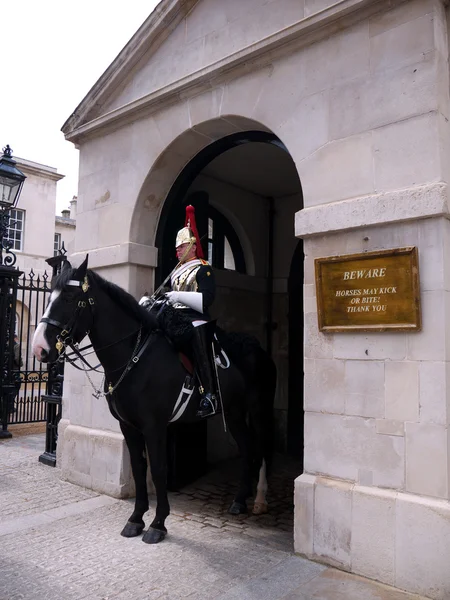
[184, 44]
[118, 77]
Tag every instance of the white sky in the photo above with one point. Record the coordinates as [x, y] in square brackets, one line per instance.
[52, 54]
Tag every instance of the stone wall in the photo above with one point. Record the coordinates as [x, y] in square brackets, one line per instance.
[358, 92]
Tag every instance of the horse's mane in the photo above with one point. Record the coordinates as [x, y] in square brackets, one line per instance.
[116, 293]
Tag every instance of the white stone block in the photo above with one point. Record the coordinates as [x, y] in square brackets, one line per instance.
[402, 391]
[363, 104]
[317, 344]
[97, 460]
[203, 20]
[304, 514]
[422, 537]
[446, 252]
[333, 521]
[172, 121]
[101, 417]
[80, 408]
[430, 343]
[241, 94]
[373, 533]
[146, 143]
[434, 380]
[110, 467]
[205, 106]
[389, 427]
[427, 468]
[309, 115]
[87, 229]
[399, 15]
[325, 386]
[431, 253]
[309, 298]
[396, 206]
[377, 346]
[406, 154]
[114, 224]
[405, 44]
[343, 447]
[364, 388]
[349, 167]
[340, 58]
[249, 22]
[315, 6]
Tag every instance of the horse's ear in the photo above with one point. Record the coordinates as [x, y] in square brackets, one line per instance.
[66, 265]
[80, 273]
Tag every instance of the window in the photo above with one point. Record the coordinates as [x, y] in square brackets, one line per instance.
[224, 248]
[56, 244]
[15, 229]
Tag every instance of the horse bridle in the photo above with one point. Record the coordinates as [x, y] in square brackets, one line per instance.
[64, 339]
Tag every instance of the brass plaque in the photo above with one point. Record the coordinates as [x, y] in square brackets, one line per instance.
[374, 291]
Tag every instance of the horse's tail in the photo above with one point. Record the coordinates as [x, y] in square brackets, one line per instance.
[261, 378]
[261, 415]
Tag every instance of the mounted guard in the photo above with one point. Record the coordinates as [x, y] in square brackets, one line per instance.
[188, 324]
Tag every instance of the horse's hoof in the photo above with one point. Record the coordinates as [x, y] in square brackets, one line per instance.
[260, 508]
[153, 536]
[238, 509]
[132, 529]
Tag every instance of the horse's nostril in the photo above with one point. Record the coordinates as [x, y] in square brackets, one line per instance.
[44, 354]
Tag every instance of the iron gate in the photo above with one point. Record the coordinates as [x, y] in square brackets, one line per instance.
[31, 376]
[36, 390]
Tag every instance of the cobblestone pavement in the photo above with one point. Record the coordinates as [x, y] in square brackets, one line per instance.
[208, 499]
[62, 542]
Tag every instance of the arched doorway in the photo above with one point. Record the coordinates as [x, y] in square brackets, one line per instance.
[245, 189]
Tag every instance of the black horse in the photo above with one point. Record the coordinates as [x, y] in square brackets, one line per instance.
[144, 379]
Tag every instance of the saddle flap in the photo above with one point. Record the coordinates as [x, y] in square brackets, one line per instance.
[186, 362]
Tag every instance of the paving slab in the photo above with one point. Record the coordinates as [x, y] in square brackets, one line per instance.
[68, 547]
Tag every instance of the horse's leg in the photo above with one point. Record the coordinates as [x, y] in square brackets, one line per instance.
[156, 445]
[136, 446]
[241, 434]
[260, 506]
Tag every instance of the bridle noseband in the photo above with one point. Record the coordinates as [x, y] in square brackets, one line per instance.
[64, 339]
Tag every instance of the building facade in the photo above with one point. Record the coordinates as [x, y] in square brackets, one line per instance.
[36, 235]
[32, 226]
[302, 129]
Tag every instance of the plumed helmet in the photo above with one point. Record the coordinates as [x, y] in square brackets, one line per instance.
[189, 233]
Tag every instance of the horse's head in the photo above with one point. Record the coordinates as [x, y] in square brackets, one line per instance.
[68, 316]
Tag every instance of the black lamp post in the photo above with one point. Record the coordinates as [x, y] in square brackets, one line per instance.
[11, 182]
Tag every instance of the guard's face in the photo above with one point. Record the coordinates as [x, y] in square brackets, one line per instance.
[184, 253]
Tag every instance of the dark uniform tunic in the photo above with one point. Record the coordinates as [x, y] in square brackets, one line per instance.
[176, 320]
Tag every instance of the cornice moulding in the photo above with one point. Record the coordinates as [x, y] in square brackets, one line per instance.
[420, 202]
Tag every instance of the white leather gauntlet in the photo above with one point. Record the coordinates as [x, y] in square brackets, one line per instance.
[145, 301]
[192, 299]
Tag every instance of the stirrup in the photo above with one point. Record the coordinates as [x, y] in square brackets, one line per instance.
[208, 407]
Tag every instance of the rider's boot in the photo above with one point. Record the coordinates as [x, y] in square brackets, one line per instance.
[203, 354]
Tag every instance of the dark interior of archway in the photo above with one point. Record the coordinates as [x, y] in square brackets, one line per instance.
[256, 164]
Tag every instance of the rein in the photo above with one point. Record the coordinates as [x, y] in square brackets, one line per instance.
[64, 340]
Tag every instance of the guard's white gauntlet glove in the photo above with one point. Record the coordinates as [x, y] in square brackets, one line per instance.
[145, 301]
[192, 299]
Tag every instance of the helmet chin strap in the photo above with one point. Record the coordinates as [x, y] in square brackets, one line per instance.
[186, 252]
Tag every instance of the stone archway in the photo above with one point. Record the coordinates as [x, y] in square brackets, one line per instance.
[172, 176]
[170, 163]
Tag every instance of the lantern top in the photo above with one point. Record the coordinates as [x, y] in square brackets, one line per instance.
[11, 179]
[7, 165]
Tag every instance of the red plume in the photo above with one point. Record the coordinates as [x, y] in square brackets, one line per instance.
[190, 222]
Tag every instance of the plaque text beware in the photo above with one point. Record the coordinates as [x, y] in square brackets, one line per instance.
[374, 291]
